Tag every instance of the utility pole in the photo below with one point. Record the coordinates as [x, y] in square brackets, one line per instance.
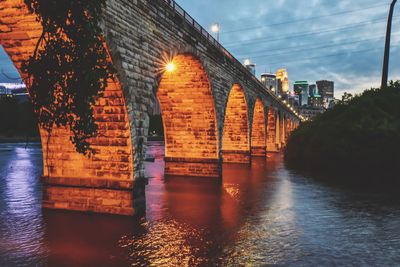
[385, 69]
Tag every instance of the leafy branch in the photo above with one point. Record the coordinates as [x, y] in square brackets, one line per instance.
[70, 67]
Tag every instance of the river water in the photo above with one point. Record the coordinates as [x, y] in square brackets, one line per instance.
[263, 214]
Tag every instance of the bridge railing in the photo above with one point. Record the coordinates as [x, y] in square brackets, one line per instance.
[180, 11]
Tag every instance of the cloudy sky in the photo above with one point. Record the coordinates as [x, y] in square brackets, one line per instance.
[338, 40]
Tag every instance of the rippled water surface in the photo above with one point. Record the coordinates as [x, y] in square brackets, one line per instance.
[259, 215]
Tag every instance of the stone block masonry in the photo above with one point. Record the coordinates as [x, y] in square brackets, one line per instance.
[208, 104]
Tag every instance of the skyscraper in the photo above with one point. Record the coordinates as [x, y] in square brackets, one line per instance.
[326, 90]
[301, 89]
[283, 78]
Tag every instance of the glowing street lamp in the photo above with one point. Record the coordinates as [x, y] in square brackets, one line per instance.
[215, 28]
[247, 62]
[170, 67]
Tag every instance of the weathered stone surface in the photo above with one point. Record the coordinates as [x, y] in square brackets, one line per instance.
[258, 134]
[208, 105]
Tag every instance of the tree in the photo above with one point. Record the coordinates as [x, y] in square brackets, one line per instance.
[346, 98]
[70, 67]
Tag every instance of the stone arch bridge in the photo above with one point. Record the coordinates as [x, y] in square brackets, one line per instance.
[214, 110]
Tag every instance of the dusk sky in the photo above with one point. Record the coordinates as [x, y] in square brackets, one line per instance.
[314, 39]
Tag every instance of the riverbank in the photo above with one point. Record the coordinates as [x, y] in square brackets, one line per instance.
[19, 139]
[358, 140]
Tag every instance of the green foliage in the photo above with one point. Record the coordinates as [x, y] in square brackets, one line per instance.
[346, 98]
[360, 135]
[70, 68]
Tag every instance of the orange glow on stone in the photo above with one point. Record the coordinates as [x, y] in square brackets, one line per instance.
[235, 140]
[271, 131]
[188, 113]
[258, 136]
[73, 181]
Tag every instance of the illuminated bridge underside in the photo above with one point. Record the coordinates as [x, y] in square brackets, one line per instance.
[187, 106]
[206, 119]
[235, 142]
[258, 135]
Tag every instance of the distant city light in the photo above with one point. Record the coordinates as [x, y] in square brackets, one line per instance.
[13, 85]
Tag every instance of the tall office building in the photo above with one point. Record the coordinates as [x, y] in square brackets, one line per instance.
[269, 81]
[283, 81]
[326, 90]
[301, 89]
[314, 98]
[312, 90]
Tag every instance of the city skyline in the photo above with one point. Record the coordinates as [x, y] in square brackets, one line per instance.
[347, 37]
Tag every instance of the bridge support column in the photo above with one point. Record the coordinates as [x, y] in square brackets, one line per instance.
[192, 167]
[236, 156]
[271, 132]
[283, 132]
[84, 194]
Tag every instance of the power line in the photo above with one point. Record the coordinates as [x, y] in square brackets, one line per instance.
[325, 56]
[305, 19]
[257, 52]
[289, 36]
[316, 47]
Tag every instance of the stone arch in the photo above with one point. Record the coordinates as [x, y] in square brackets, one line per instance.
[72, 181]
[189, 118]
[235, 137]
[258, 133]
[271, 131]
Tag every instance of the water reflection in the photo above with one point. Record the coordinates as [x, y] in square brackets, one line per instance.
[21, 224]
[259, 214]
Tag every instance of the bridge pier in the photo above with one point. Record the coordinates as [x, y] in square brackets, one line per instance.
[236, 156]
[272, 146]
[192, 167]
[85, 194]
